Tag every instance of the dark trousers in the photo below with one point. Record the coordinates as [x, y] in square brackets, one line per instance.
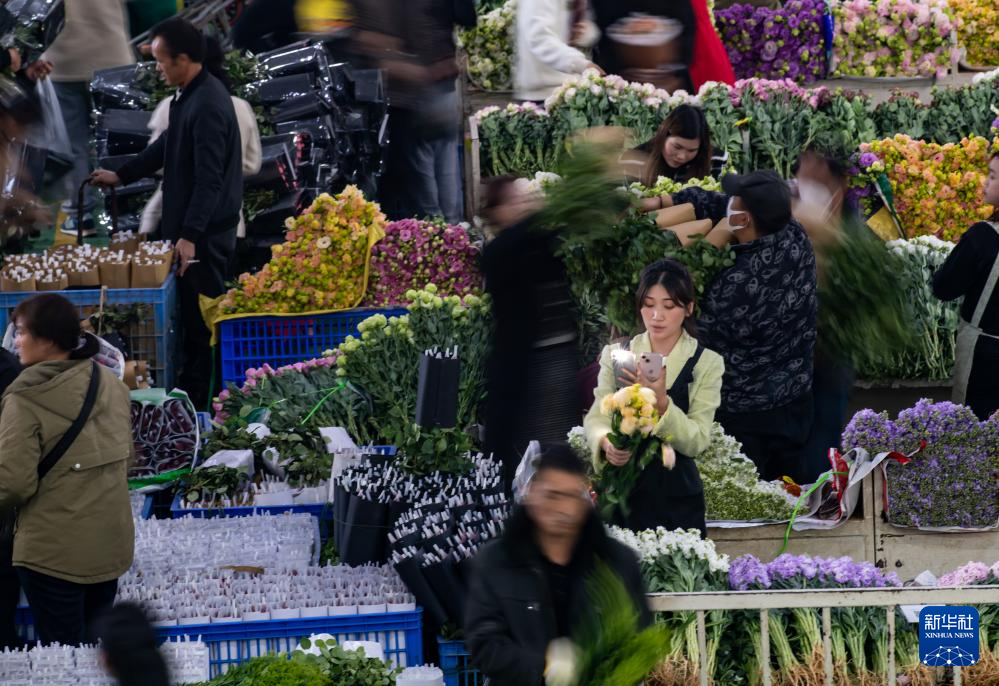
[10, 594]
[983, 384]
[64, 611]
[207, 277]
[773, 439]
[10, 589]
[831, 388]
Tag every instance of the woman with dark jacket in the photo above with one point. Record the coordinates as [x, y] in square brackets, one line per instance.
[65, 444]
[972, 272]
[760, 315]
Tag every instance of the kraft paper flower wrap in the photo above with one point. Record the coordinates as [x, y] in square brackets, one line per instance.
[633, 415]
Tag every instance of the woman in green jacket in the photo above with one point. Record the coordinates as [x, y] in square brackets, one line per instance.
[687, 393]
[74, 534]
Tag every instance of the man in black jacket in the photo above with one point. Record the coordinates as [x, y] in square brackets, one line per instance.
[201, 158]
[529, 588]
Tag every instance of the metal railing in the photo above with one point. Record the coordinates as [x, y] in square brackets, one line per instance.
[764, 601]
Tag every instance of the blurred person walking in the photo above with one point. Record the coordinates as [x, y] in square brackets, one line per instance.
[552, 37]
[413, 41]
[533, 356]
[130, 650]
[528, 590]
[95, 37]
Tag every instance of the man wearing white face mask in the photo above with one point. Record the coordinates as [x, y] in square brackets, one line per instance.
[760, 316]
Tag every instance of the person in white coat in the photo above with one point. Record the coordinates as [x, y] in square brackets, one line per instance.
[248, 132]
[551, 38]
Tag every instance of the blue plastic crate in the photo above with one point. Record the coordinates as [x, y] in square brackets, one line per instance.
[399, 633]
[320, 510]
[152, 340]
[250, 342]
[456, 663]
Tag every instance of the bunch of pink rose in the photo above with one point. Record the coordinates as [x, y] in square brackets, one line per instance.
[229, 402]
[414, 253]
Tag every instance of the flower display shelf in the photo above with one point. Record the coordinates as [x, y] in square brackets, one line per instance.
[250, 342]
[911, 551]
[855, 538]
[456, 663]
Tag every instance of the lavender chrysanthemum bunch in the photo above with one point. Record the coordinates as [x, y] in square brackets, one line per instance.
[804, 571]
[852, 627]
[949, 483]
[775, 43]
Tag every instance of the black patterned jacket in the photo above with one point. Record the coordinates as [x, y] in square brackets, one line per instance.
[760, 314]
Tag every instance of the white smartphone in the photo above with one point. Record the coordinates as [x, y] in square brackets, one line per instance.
[651, 365]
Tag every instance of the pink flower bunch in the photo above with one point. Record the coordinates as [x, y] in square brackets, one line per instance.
[968, 575]
[255, 376]
[765, 89]
[510, 110]
[877, 38]
[414, 253]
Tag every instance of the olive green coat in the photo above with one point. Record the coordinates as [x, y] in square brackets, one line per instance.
[76, 524]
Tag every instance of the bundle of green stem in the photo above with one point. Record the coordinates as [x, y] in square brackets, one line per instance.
[589, 201]
[614, 651]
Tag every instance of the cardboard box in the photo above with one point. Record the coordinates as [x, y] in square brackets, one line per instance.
[147, 274]
[116, 274]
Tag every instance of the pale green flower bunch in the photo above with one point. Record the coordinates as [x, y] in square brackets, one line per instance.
[489, 48]
[733, 490]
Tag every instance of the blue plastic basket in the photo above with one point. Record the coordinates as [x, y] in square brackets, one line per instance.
[250, 342]
[321, 510]
[456, 664]
[152, 340]
[399, 633]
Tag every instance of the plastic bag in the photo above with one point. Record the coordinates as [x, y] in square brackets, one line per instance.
[50, 134]
[526, 470]
[166, 435]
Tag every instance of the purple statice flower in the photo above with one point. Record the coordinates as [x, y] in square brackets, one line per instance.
[995, 124]
[870, 430]
[936, 423]
[950, 482]
[748, 573]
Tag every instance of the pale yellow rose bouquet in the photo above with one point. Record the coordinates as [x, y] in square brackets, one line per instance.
[633, 414]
